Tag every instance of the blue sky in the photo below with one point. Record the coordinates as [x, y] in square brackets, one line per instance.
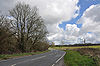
[83, 4]
[56, 15]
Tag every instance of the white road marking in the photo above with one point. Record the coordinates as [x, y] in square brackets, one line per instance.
[13, 65]
[29, 60]
[39, 58]
[53, 65]
[51, 54]
[60, 57]
[3, 60]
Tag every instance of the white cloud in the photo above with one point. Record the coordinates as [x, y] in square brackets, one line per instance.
[91, 22]
[72, 29]
[68, 36]
[90, 30]
[72, 32]
[53, 12]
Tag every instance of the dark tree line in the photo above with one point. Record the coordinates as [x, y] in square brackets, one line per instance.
[24, 31]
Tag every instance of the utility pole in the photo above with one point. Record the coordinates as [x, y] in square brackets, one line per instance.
[84, 41]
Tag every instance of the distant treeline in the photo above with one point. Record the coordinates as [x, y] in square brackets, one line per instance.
[87, 44]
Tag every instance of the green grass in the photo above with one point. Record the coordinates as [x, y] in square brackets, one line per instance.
[7, 56]
[73, 58]
[64, 48]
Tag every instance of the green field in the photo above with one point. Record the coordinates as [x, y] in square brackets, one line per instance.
[7, 56]
[64, 48]
[73, 58]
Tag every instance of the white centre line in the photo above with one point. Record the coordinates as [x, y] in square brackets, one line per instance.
[39, 58]
[3, 60]
[28, 60]
[13, 65]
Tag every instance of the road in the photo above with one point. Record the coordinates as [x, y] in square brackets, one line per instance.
[45, 59]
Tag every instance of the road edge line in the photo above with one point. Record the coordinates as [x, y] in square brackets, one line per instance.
[59, 59]
[53, 65]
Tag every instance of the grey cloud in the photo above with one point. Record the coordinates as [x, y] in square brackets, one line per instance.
[6, 5]
[91, 23]
[94, 13]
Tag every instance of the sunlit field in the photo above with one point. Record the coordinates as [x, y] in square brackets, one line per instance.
[64, 48]
[75, 56]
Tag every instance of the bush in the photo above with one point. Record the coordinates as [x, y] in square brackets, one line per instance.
[41, 46]
[73, 58]
[8, 43]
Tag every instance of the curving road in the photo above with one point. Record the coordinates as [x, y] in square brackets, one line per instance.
[45, 59]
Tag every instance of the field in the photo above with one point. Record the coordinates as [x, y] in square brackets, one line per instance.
[74, 58]
[75, 47]
[81, 55]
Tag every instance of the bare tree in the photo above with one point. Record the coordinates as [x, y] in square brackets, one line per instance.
[28, 25]
[5, 26]
[7, 41]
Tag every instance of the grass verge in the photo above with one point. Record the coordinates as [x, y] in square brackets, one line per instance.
[73, 58]
[7, 56]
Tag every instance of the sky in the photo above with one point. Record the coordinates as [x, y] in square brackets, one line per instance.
[68, 21]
